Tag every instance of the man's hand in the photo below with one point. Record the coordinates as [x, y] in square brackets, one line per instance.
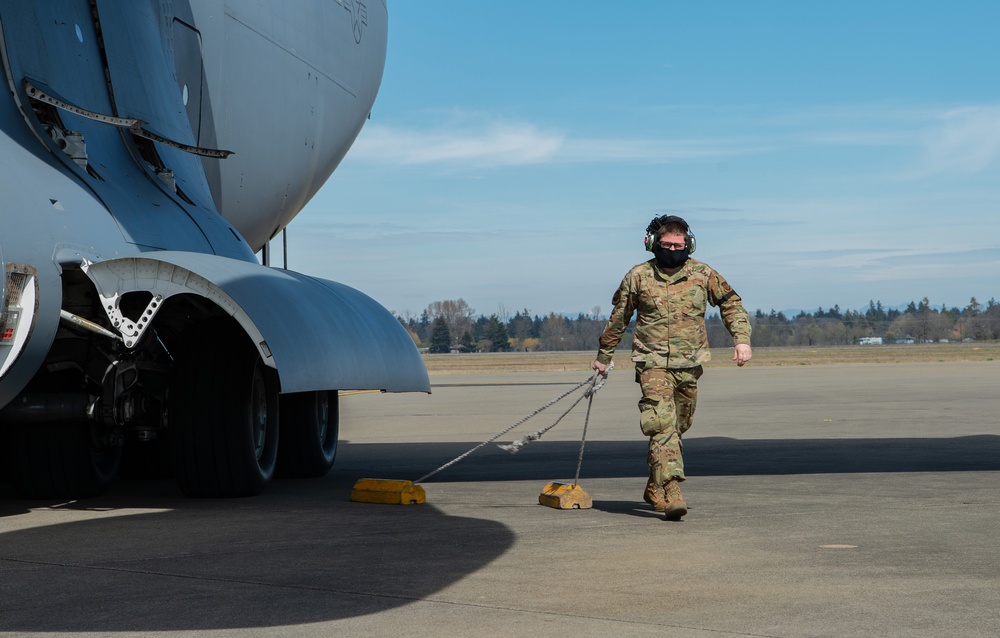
[600, 367]
[741, 354]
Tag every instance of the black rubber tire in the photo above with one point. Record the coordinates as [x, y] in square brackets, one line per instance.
[64, 460]
[310, 425]
[223, 417]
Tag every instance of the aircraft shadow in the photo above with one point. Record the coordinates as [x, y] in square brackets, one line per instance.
[704, 456]
[300, 553]
[303, 553]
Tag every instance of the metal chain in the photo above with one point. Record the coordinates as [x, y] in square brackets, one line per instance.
[583, 439]
[595, 386]
[515, 446]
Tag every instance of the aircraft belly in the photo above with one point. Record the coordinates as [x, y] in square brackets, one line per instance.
[318, 334]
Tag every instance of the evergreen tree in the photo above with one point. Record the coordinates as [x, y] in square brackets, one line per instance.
[521, 326]
[973, 309]
[478, 328]
[496, 333]
[424, 329]
[440, 336]
[466, 344]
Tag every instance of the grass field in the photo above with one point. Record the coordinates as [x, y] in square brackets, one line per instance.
[508, 362]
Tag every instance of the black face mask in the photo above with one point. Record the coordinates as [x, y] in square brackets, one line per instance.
[671, 258]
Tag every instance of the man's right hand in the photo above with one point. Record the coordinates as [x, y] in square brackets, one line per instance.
[600, 367]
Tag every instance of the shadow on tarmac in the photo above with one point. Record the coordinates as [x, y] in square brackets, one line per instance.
[300, 553]
[303, 553]
[703, 456]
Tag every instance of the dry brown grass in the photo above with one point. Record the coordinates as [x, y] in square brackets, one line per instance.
[510, 362]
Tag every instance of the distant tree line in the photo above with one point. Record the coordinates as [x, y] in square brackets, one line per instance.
[918, 322]
[453, 326]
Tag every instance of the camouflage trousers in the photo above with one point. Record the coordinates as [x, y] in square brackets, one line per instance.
[665, 412]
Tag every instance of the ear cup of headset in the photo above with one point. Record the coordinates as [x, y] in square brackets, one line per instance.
[650, 241]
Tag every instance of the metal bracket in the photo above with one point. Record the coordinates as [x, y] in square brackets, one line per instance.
[115, 278]
[71, 143]
[131, 331]
[134, 125]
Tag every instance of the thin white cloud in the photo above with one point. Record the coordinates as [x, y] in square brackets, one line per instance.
[496, 145]
[859, 138]
[967, 141]
[881, 264]
[525, 144]
[959, 140]
[653, 151]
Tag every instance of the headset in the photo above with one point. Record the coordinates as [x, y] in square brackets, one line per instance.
[663, 220]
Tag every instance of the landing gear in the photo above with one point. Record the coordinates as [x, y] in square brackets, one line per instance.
[193, 399]
[310, 425]
[223, 417]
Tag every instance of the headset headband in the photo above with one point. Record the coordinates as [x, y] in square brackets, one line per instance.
[663, 220]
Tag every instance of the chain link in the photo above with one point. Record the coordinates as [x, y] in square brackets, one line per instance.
[516, 445]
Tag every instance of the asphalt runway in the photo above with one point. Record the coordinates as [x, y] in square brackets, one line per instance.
[839, 500]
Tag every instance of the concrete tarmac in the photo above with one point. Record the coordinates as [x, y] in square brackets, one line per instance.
[839, 500]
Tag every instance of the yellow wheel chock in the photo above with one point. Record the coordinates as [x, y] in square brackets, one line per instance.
[565, 496]
[387, 491]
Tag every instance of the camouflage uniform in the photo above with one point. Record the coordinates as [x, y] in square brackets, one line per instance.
[669, 348]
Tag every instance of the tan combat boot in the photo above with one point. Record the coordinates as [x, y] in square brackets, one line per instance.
[654, 496]
[676, 507]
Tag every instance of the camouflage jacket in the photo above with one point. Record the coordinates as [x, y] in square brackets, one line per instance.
[670, 327]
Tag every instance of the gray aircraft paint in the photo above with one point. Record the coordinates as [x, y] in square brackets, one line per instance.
[286, 88]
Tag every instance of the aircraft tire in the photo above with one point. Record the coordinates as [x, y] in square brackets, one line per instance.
[224, 418]
[62, 460]
[310, 425]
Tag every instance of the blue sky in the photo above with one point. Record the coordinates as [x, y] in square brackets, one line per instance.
[823, 153]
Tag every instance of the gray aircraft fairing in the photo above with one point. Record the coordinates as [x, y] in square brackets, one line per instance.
[148, 150]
